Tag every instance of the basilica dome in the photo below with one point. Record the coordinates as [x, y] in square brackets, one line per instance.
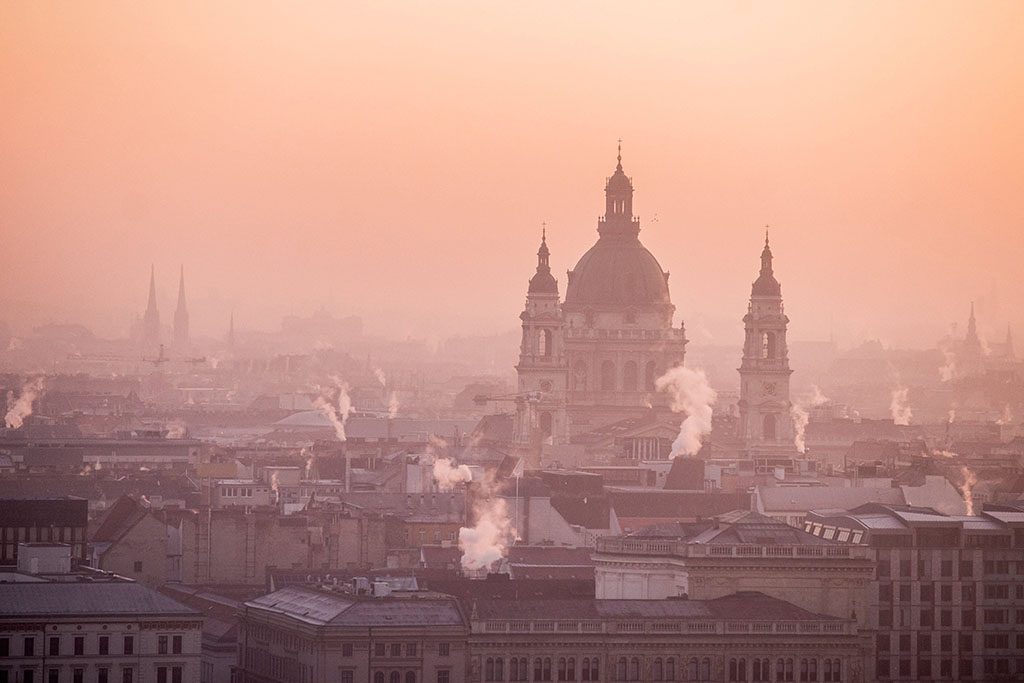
[618, 271]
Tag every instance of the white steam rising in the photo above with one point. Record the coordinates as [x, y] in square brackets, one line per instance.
[488, 540]
[966, 488]
[21, 407]
[337, 415]
[692, 395]
[800, 420]
[899, 407]
[393, 402]
[448, 475]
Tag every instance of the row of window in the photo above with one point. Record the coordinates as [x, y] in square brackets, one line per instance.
[968, 592]
[993, 666]
[903, 618]
[661, 669]
[164, 674]
[165, 645]
[999, 641]
[926, 568]
[609, 378]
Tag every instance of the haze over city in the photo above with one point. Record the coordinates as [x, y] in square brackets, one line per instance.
[397, 161]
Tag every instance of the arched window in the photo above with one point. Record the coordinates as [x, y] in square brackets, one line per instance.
[634, 669]
[595, 669]
[579, 376]
[768, 345]
[547, 669]
[378, 677]
[805, 670]
[813, 675]
[538, 669]
[768, 427]
[732, 670]
[757, 670]
[789, 669]
[585, 668]
[489, 669]
[629, 378]
[742, 669]
[562, 669]
[705, 669]
[657, 670]
[780, 670]
[410, 677]
[692, 670]
[670, 669]
[499, 669]
[395, 677]
[650, 374]
[571, 669]
[620, 669]
[607, 376]
[837, 669]
[513, 669]
[544, 345]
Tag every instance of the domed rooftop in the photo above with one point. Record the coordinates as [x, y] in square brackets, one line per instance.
[618, 271]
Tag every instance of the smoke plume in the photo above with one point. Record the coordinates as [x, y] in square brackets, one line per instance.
[393, 403]
[800, 420]
[21, 407]
[487, 541]
[818, 398]
[966, 488]
[1006, 417]
[338, 416]
[899, 407]
[448, 475]
[947, 371]
[692, 395]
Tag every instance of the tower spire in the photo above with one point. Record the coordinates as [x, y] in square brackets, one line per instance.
[618, 166]
[181, 336]
[618, 217]
[151, 318]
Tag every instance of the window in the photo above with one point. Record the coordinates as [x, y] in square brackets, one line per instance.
[395, 677]
[946, 568]
[924, 668]
[161, 645]
[5, 647]
[53, 676]
[946, 618]
[378, 677]
[966, 568]
[176, 674]
[129, 645]
[102, 675]
[444, 649]
[947, 593]
[410, 649]
[30, 647]
[629, 376]
[946, 668]
[924, 642]
[346, 649]
[650, 375]
[881, 668]
[905, 592]
[966, 642]
[410, 677]
[176, 645]
[161, 674]
[78, 675]
[444, 676]
[54, 649]
[348, 676]
[137, 567]
[966, 668]
[927, 592]
[882, 642]
[127, 675]
[104, 645]
[378, 649]
[79, 646]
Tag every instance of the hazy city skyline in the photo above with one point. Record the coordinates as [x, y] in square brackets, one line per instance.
[398, 165]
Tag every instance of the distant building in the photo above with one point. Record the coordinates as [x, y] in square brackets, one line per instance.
[181, 334]
[94, 628]
[318, 636]
[947, 600]
[592, 360]
[43, 520]
[151, 318]
[740, 551]
[765, 424]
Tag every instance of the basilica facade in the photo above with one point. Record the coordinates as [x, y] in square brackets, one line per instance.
[592, 359]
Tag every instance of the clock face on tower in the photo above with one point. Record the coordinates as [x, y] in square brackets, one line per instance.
[545, 386]
[768, 388]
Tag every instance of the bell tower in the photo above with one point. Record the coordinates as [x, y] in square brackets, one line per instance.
[765, 424]
[540, 405]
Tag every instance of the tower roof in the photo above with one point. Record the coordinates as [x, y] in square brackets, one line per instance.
[618, 270]
[766, 284]
[543, 282]
[181, 291]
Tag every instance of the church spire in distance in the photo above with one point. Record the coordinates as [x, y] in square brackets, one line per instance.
[181, 335]
[151, 319]
[618, 209]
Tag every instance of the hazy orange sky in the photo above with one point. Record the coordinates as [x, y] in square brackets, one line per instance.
[396, 160]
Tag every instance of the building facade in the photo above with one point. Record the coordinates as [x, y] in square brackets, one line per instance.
[765, 424]
[592, 360]
[108, 631]
[947, 601]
